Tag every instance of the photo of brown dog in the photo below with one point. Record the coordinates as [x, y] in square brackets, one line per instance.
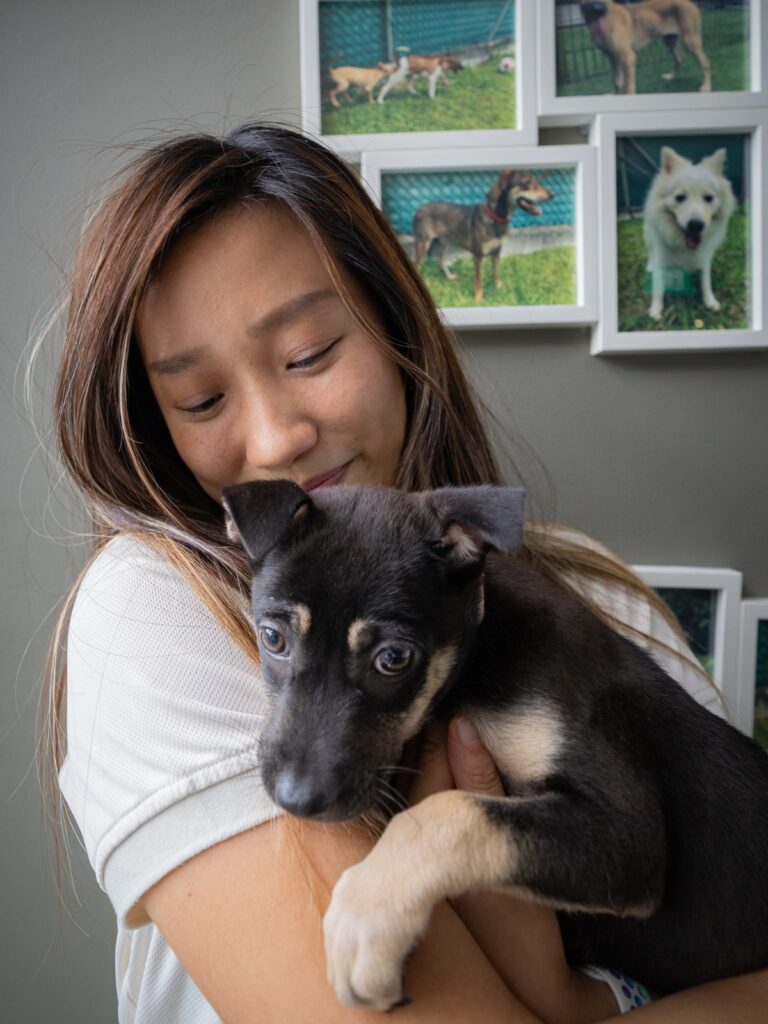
[652, 46]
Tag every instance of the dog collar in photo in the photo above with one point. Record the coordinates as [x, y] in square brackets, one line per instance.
[494, 216]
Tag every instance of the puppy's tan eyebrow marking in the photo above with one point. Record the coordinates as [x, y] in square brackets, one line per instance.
[356, 634]
[301, 619]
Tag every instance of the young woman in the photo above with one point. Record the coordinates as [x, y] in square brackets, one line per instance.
[240, 310]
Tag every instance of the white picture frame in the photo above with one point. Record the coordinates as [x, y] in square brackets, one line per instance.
[608, 338]
[753, 612]
[569, 110]
[525, 132]
[727, 586]
[582, 158]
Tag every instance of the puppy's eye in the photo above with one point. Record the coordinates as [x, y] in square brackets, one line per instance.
[709, 199]
[680, 197]
[273, 640]
[391, 661]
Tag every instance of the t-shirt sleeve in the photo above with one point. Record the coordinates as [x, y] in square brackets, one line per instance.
[164, 713]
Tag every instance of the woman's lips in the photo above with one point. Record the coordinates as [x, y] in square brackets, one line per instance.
[326, 479]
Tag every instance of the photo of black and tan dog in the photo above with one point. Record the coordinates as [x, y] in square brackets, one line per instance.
[479, 227]
[640, 816]
[620, 30]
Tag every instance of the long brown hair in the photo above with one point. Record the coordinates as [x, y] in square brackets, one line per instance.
[112, 437]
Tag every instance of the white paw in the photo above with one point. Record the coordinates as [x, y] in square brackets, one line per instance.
[711, 302]
[367, 937]
[655, 311]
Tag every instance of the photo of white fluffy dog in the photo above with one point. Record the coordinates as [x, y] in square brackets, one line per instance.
[685, 220]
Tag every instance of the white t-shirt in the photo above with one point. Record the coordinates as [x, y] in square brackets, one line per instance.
[163, 718]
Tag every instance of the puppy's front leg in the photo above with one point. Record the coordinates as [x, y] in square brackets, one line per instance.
[657, 284]
[381, 907]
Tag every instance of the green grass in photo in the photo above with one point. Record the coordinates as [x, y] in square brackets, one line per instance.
[476, 98]
[683, 308]
[725, 35]
[544, 278]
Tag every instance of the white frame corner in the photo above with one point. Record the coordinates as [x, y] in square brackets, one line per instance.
[753, 611]
[728, 584]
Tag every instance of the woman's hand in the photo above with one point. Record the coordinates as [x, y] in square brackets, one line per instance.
[451, 756]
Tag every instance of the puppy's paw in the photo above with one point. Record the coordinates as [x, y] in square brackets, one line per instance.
[368, 935]
[711, 303]
[655, 310]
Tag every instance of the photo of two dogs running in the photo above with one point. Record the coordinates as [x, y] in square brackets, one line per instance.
[634, 812]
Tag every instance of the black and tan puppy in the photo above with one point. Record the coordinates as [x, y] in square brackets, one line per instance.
[639, 815]
[480, 227]
[620, 30]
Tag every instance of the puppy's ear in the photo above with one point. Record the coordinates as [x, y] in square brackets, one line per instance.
[260, 513]
[473, 519]
[671, 161]
[715, 162]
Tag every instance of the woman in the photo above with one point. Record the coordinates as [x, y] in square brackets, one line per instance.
[239, 310]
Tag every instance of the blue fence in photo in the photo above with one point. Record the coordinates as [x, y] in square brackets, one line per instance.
[363, 32]
[402, 193]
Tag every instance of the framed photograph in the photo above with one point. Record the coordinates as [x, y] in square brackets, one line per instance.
[707, 604]
[682, 233]
[415, 74]
[502, 236]
[752, 710]
[602, 56]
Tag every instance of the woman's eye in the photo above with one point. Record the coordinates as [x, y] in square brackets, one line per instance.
[303, 364]
[391, 661]
[273, 640]
[205, 406]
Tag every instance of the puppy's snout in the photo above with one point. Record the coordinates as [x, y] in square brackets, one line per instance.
[299, 794]
[695, 227]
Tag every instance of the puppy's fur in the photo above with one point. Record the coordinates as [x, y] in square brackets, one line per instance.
[639, 815]
[480, 228]
[619, 30]
[685, 220]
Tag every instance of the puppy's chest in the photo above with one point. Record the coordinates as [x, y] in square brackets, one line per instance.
[527, 743]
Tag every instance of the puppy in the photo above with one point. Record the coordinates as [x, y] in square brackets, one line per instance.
[362, 78]
[411, 65]
[480, 227]
[639, 815]
[685, 220]
[620, 30]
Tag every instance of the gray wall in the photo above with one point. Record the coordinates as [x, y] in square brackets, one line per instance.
[664, 458]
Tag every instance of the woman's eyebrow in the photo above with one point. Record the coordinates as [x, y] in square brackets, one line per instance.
[290, 310]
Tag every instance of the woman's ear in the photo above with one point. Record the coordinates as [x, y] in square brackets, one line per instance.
[260, 513]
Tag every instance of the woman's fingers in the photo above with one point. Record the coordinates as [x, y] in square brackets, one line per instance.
[434, 773]
[470, 763]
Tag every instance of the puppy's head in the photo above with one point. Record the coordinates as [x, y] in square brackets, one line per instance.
[364, 600]
[523, 190]
[694, 195]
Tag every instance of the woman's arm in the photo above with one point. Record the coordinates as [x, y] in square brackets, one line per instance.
[244, 918]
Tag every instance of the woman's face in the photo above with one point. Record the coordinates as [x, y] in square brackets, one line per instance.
[259, 371]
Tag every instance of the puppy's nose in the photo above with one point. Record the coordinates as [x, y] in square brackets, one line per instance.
[299, 794]
[695, 227]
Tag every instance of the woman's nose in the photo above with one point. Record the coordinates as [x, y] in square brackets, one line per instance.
[276, 433]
